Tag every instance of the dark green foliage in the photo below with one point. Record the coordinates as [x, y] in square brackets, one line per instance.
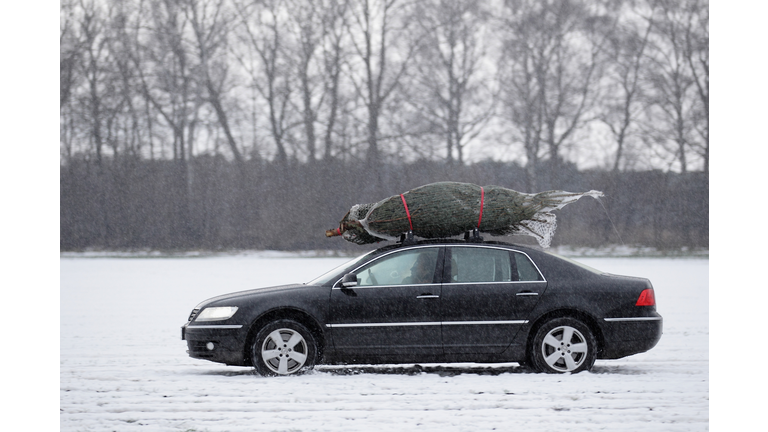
[446, 209]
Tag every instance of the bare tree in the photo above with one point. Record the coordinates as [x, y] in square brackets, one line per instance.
[69, 51]
[376, 29]
[449, 90]
[305, 27]
[128, 126]
[94, 71]
[168, 74]
[521, 95]
[364, 78]
[623, 98]
[676, 102]
[261, 33]
[697, 55]
[334, 53]
[210, 23]
[169, 80]
[550, 67]
[97, 71]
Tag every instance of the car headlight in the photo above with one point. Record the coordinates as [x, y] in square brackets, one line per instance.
[216, 313]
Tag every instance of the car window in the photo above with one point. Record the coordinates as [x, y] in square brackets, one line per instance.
[414, 266]
[526, 271]
[473, 264]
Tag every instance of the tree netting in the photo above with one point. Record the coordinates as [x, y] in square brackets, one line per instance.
[447, 209]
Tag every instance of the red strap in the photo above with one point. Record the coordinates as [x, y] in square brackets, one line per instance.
[338, 231]
[406, 211]
[482, 200]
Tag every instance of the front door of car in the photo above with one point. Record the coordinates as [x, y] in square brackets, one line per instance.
[395, 307]
[486, 298]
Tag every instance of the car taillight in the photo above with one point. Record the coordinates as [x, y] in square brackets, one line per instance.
[646, 298]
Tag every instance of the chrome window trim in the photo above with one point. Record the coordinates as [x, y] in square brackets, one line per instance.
[484, 322]
[543, 279]
[493, 283]
[438, 284]
[358, 287]
[426, 323]
[399, 324]
[629, 319]
[221, 326]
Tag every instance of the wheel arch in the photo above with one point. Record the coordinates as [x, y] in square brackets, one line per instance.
[586, 318]
[297, 315]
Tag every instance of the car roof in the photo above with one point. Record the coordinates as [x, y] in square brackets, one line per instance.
[448, 242]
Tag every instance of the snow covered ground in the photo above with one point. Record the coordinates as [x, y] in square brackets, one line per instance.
[123, 366]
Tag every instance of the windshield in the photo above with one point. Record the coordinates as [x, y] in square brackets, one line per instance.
[576, 263]
[328, 276]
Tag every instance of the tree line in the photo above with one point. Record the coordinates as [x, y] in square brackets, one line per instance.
[236, 103]
[142, 204]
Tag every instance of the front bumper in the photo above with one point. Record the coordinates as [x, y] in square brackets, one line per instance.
[216, 343]
[626, 336]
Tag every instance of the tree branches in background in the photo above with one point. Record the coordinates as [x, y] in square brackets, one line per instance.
[611, 84]
[263, 87]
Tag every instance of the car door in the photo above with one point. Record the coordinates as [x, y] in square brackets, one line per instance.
[392, 310]
[488, 295]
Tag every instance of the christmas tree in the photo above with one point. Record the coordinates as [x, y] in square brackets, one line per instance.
[446, 209]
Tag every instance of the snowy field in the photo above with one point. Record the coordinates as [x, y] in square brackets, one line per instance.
[123, 366]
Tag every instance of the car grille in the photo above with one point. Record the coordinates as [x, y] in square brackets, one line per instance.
[193, 314]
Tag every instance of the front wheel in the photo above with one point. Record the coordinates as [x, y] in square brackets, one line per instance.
[283, 347]
[563, 345]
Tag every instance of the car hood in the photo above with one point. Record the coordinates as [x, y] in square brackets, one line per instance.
[249, 293]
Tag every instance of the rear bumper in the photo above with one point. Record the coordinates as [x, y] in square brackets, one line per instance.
[627, 336]
[220, 344]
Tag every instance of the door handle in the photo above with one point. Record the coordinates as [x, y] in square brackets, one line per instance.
[527, 293]
[428, 296]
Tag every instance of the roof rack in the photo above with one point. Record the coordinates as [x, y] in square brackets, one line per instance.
[407, 238]
[474, 237]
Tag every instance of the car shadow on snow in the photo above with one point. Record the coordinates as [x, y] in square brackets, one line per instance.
[228, 372]
[417, 369]
[617, 370]
[447, 370]
[411, 369]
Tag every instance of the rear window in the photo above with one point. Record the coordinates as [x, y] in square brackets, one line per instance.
[526, 271]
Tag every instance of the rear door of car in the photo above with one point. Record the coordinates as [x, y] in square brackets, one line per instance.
[387, 313]
[486, 298]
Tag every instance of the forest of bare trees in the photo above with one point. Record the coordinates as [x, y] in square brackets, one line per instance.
[256, 124]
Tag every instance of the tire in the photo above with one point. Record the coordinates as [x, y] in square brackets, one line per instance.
[563, 345]
[296, 355]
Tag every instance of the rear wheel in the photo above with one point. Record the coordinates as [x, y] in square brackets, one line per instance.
[563, 345]
[283, 347]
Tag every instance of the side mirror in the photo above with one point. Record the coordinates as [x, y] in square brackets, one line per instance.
[349, 280]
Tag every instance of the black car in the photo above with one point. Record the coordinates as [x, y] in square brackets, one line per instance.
[430, 302]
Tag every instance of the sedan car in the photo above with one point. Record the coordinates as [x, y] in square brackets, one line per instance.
[429, 302]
